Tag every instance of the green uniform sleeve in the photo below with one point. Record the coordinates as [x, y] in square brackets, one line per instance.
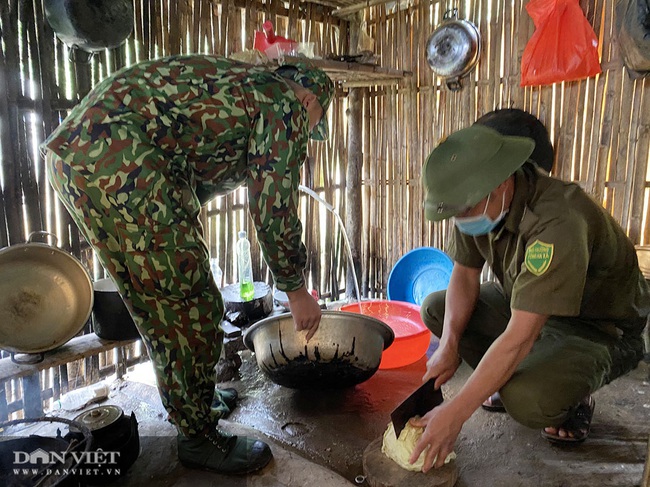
[554, 271]
[462, 249]
[277, 150]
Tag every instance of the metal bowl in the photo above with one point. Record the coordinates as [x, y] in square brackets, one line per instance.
[345, 350]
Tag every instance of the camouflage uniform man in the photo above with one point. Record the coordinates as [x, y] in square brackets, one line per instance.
[568, 314]
[134, 162]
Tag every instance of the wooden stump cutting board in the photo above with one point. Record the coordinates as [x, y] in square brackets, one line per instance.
[381, 471]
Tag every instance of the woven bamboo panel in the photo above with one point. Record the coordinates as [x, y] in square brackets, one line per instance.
[600, 127]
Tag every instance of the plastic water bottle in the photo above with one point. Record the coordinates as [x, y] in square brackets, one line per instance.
[246, 289]
[217, 273]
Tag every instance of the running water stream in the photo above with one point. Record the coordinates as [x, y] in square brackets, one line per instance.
[314, 195]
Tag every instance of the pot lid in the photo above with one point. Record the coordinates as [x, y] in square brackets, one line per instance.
[452, 49]
[100, 417]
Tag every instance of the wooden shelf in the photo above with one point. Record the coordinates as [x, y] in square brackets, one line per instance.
[352, 74]
[348, 7]
[77, 348]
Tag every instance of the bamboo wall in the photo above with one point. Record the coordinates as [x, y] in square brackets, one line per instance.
[600, 127]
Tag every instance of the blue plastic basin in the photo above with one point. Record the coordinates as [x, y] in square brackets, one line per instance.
[419, 273]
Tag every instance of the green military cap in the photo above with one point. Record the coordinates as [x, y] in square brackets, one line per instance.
[467, 166]
[318, 83]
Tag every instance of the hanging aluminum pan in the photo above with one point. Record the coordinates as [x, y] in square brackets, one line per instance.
[46, 297]
[453, 49]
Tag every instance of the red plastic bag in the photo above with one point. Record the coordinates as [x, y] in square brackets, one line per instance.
[563, 47]
[273, 45]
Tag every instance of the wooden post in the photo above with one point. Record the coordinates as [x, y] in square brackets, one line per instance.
[645, 481]
[353, 218]
[120, 362]
[32, 402]
[4, 412]
[353, 214]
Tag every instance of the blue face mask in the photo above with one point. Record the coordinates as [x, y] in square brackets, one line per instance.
[481, 224]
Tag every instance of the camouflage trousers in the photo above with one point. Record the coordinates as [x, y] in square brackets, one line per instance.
[571, 358]
[140, 213]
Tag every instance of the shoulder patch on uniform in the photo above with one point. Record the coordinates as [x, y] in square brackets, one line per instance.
[538, 257]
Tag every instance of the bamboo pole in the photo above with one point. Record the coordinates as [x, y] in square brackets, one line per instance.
[195, 29]
[10, 84]
[640, 163]
[34, 183]
[632, 166]
[620, 160]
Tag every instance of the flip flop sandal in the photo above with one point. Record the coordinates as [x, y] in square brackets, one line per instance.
[494, 404]
[578, 423]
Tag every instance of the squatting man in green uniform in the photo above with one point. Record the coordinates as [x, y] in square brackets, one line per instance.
[567, 313]
[133, 163]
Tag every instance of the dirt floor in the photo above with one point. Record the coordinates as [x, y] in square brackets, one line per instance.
[333, 428]
[318, 437]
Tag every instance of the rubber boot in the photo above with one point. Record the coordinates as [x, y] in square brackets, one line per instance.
[221, 453]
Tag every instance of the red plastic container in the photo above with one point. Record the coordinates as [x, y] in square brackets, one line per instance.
[411, 335]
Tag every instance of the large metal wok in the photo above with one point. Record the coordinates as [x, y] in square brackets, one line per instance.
[345, 350]
[46, 297]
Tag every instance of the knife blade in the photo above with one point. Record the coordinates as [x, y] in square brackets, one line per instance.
[424, 399]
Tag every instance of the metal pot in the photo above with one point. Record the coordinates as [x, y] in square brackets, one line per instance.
[345, 350]
[46, 297]
[240, 312]
[111, 318]
[112, 431]
[453, 49]
[90, 25]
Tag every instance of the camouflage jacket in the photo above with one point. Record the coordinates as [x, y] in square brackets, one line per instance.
[220, 122]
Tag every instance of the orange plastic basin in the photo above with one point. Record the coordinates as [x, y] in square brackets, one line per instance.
[411, 335]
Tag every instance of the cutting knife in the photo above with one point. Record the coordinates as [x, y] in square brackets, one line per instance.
[424, 399]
